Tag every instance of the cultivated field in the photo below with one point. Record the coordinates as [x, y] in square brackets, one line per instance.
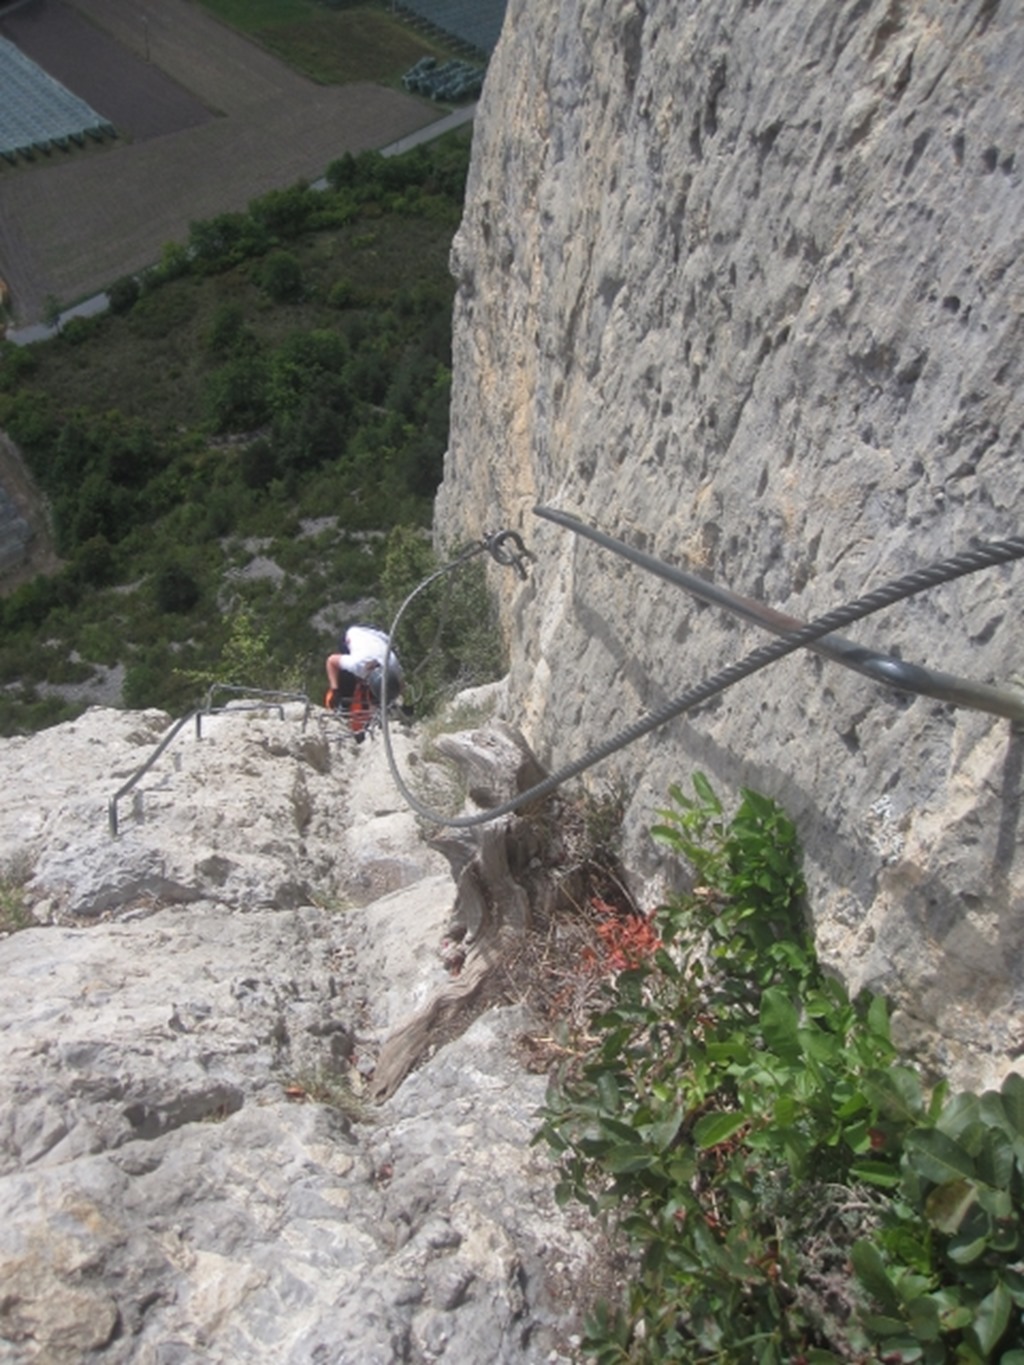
[71, 225]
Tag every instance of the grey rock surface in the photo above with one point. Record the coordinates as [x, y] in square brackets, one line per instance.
[743, 285]
[15, 533]
[26, 541]
[190, 1165]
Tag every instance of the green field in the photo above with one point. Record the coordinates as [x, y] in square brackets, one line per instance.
[331, 45]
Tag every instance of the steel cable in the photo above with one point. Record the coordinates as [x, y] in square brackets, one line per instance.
[907, 585]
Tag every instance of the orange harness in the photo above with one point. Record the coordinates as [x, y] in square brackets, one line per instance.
[360, 711]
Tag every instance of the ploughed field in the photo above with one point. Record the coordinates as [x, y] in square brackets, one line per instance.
[207, 120]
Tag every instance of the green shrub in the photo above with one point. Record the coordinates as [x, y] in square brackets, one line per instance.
[285, 213]
[343, 173]
[17, 363]
[216, 244]
[257, 464]
[28, 419]
[79, 329]
[237, 393]
[227, 328]
[342, 294]
[175, 261]
[160, 312]
[31, 603]
[123, 294]
[281, 277]
[25, 712]
[93, 564]
[247, 657]
[175, 589]
[101, 641]
[310, 438]
[308, 366]
[754, 1135]
[15, 873]
[52, 309]
[147, 679]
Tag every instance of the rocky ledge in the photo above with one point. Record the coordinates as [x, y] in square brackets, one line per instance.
[199, 1155]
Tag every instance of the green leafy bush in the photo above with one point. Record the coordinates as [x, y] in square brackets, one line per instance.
[175, 261]
[216, 244]
[236, 393]
[790, 1189]
[343, 294]
[227, 330]
[175, 589]
[80, 329]
[257, 463]
[281, 277]
[285, 213]
[94, 563]
[15, 872]
[17, 363]
[247, 659]
[147, 678]
[123, 294]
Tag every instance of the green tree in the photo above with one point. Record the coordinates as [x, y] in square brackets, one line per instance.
[226, 240]
[236, 393]
[308, 365]
[247, 658]
[281, 277]
[343, 172]
[123, 294]
[343, 294]
[94, 563]
[285, 213]
[175, 261]
[175, 590]
[310, 437]
[257, 463]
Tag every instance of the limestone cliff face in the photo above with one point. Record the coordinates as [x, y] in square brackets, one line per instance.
[742, 284]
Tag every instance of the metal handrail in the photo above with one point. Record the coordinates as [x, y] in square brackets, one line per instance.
[882, 668]
[278, 702]
[208, 709]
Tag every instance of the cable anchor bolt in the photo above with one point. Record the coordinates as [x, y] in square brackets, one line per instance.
[516, 558]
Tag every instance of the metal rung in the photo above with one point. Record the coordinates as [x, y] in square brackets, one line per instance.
[271, 700]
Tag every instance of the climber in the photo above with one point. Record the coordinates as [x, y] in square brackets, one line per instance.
[356, 675]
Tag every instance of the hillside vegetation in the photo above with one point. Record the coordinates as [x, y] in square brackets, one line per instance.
[275, 390]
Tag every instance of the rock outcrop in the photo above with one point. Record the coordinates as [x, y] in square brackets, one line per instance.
[742, 285]
[26, 540]
[192, 1162]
